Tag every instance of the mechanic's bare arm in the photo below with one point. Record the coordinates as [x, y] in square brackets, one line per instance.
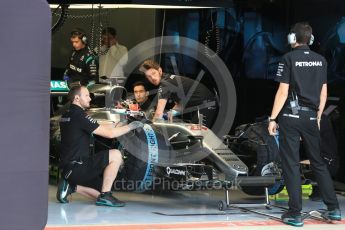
[160, 108]
[323, 99]
[280, 99]
[177, 107]
[112, 131]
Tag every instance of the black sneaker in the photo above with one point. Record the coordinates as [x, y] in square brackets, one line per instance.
[334, 214]
[292, 219]
[63, 191]
[107, 199]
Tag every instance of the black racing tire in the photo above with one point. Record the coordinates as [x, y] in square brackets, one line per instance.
[259, 149]
[256, 171]
[222, 206]
[144, 149]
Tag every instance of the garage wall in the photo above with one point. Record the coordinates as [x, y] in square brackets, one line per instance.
[24, 115]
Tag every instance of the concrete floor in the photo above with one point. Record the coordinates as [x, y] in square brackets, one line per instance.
[172, 210]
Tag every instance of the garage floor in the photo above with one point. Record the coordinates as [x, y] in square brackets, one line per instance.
[172, 210]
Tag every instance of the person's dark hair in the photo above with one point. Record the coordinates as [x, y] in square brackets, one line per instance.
[303, 32]
[75, 90]
[139, 83]
[109, 30]
[78, 32]
[149, 64]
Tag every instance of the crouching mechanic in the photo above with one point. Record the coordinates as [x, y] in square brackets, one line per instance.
[89, 175]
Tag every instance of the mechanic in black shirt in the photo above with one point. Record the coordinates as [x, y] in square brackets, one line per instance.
[189, 96]
[299, 102]
[90, 175]
[141, 96]
[83, 65]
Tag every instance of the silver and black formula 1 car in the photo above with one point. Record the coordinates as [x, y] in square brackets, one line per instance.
[171, 155]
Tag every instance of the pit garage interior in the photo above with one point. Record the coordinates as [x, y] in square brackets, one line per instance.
[247, 38]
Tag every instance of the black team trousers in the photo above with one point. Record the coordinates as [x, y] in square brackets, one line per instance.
[291, 129]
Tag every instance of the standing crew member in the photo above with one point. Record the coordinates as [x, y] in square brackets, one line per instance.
[189, 96]
[299, 102]
[82, 67]
[89, 175]
[112, 56]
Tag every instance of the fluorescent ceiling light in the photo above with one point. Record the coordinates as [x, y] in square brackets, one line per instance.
[136, 6]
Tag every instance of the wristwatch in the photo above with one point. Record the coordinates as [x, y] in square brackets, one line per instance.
[270, 119]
